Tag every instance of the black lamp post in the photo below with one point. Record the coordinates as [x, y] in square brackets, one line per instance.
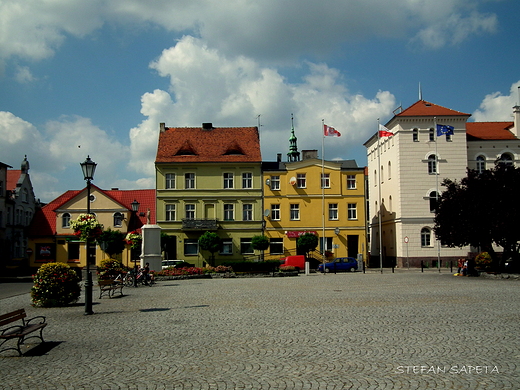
[88, 167]
[135, 208]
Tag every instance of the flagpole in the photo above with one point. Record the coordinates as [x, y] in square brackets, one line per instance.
[323, 189]
[378, 178]
[437, 189]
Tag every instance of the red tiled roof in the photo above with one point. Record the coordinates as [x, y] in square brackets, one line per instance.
[220, 144]
[12, 178]
[44, 222]
[424, 108]
[489, 130]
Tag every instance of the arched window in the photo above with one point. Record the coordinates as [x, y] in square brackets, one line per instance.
[65, 220]
[389, 170]
[481, 164]
[432, 134]
[433, 201]
[382, 174]
[432, 164]
[506, 159]
[415, 135]
[426, 237]
[118, 219]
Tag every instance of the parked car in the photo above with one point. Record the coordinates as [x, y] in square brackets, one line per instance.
[298, 261]
[340, 264]
[171, 263]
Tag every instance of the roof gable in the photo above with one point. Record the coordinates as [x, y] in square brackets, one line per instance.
[13, 175]
[424, 108]
[217, 144]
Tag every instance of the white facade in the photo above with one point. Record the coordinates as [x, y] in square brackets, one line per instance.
[405, 173]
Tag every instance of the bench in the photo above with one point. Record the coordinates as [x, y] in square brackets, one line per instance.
[20, 331]
[110, 287]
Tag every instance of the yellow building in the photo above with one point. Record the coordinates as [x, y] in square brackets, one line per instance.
[209, 179]
[52, 238]
[326, 198]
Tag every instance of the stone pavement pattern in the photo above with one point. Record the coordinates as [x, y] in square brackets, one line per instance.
[348, 331]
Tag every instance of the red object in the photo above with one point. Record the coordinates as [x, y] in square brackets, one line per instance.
[383, 133]
[297, 261]
[329, 131]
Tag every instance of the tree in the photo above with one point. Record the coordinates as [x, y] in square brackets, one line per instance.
[112, 242]
[307, 242]
[260, 243]
[212, 243]
[481, 210]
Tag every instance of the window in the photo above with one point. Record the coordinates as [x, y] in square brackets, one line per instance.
[327, 242]
[170, 180]
[432, 164]
[432, 134]
[389, 170]
[245, 246]
[425, 237]
[325, 180]
[1, 188]
[433, 201]
[191, 247]
[228, 180]
[333, 211]
[189, 181]
[276, 246]
[301, 180]
[229, 212]
[351, 182]
[170, 212]
[190, 211]
[415, 135]
[481, 164]
[247, 212]
[448, 137]
[352, 211]
[65, 220]
[118, 219]
[295, 212]
[227, 246]
[247, 180]
[275, 183]
[506, 159]
[275, 212]
[382, 174]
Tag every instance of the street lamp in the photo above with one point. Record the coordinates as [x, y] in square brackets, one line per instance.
[88, 167]
[135, 208]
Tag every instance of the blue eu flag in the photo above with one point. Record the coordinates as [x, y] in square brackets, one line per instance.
[444, 129]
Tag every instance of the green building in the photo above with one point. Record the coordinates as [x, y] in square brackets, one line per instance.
[209, 179]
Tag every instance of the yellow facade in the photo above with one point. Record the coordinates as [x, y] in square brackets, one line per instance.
[192, 199]
[295, 202]
[65, 247]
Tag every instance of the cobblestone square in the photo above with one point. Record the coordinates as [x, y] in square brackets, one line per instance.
[403, 330]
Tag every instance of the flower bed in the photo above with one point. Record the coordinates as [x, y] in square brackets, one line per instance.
[55, 284]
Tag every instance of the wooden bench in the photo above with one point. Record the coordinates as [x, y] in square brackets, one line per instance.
[110, 287]
[20, 331]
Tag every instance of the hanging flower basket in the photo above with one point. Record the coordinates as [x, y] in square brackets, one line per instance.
[86, 226]
[134, 239]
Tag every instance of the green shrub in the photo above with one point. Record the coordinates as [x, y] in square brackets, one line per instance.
[55, 284]
[253, 266]
[109, 269]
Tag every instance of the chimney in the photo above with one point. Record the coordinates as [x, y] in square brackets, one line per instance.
[207, 126]
[308, 154]
[162, 127]
[279, 157]
[516, 115]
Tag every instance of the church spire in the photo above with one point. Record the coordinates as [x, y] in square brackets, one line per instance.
[293, 154]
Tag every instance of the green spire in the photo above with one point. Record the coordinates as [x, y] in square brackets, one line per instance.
[293, 154]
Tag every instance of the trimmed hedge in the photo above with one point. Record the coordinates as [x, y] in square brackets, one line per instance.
[253, 266]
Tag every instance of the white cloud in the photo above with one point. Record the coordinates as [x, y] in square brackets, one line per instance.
[271, 30]
[498, 107]
[23, 75]
[231, 91]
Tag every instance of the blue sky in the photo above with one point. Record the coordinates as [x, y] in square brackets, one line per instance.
[96, 78]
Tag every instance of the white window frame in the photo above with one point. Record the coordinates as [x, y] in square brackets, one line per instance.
[426, 238]
[189, 211]
[275, 183]
[229, 212]
[295, 212]
[189, 180]
[275, 212]
[352, 211]
[227, 246]
[169, 212]
[169, 181]
[247, 211]
[325, 180]
[333, 212]
[228, 180]
[301, 180]
[118, 219]
[247, 180]
[351, 182]
[65, 220]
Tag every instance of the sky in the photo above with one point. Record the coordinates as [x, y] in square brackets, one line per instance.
[97, 77]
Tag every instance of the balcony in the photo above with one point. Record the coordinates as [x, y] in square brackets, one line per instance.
[199, 224]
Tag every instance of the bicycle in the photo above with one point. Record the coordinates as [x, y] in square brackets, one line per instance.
[126, 279]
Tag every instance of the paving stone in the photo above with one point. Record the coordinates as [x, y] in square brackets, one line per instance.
[402, 330]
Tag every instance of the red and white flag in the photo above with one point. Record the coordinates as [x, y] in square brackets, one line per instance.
[329, 131]
[384, 132]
